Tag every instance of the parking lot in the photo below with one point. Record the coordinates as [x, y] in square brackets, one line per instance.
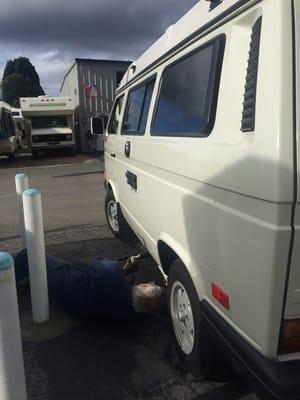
[67, 358]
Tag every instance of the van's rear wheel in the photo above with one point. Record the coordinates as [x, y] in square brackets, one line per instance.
[193, 343]
[115, 219]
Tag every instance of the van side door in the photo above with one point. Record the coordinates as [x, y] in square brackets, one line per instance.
[131, 147]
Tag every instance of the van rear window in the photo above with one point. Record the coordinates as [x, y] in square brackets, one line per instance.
[189, 92]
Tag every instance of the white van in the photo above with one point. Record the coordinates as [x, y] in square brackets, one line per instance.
[202, 162]
[8, 140]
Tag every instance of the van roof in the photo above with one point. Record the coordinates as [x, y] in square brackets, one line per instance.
[203, 16]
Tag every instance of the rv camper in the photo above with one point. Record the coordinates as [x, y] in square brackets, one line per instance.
[52, 123]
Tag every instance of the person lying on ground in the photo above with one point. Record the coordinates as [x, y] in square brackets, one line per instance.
[96, 290]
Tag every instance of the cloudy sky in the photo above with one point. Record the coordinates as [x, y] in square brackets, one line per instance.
[53, 32]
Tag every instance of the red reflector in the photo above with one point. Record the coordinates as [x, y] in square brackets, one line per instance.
[221, 296]
[290, 338]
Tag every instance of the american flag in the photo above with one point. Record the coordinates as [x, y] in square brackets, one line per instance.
[90, 91]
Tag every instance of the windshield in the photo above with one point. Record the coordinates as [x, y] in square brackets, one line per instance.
[49, 122]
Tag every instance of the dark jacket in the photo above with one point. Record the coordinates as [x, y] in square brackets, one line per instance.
[95, 290]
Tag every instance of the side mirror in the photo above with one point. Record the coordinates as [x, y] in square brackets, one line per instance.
[97, 126]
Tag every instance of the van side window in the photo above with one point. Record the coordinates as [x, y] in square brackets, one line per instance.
[189, 93]
[115, 116]
[137, 109]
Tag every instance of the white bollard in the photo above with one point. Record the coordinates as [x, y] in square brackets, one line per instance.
[35, 242]
[21, 185]
[12, 374]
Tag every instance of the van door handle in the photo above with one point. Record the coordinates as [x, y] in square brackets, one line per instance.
[131, 179]
[127, 149]
[113, 155]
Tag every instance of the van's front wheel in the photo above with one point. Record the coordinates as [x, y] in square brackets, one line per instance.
[115, 219]
[193, 343]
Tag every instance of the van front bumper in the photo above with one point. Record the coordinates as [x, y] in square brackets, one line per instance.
[270, 379]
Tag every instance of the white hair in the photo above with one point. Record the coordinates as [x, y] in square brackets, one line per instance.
[147, 298]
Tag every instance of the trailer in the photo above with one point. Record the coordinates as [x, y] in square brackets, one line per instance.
[51, 121]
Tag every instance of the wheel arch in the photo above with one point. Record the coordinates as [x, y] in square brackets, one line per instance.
[169, 250]
[110, 186]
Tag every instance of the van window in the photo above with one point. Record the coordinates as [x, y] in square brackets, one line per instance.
[189, 92]
[115, 116]
[137, 109]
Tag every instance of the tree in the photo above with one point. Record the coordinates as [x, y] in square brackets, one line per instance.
[20, 79]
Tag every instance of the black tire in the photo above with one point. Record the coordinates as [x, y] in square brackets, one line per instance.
[124, 232]
[204, 358]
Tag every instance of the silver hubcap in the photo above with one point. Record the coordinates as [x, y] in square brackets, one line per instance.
[182, 317]
[112, 213]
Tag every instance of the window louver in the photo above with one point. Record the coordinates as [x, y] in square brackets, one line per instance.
[248, 120]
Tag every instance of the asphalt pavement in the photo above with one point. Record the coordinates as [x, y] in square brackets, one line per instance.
[72, 191]
[67, 358]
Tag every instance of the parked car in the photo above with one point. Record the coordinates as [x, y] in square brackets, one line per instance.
[202, 163]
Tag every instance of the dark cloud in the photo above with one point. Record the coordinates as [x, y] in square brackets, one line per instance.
[56, 31]
[120, 27]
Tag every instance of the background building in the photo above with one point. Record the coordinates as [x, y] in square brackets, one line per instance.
[92, 83]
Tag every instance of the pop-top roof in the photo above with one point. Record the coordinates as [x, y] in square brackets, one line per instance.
[201, 17]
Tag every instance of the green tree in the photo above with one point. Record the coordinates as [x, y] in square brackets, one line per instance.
[20, 79]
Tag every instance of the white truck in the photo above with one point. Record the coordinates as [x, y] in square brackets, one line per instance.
[52, 123]
[202, 160]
